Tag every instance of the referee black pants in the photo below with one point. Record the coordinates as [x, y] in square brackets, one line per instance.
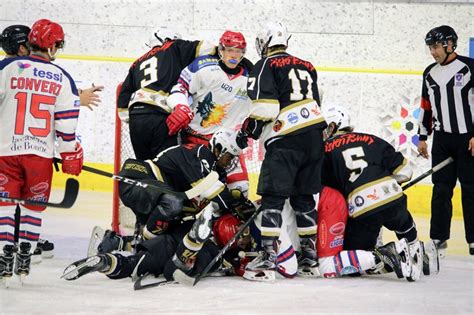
[456, 146]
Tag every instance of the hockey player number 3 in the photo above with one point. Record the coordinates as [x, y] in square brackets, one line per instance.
[354, 159]
[150, 71]
[296, 94]
[35, 111]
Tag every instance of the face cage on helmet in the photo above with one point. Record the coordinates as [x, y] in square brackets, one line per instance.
[262, 47]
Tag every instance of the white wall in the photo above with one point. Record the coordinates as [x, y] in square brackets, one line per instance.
[345, 40]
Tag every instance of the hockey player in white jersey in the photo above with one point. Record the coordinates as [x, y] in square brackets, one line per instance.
[38, 103]
[218, 89]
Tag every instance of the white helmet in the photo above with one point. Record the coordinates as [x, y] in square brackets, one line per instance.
[161, 36]
[225, 141]
[338, 115]
[273, 34]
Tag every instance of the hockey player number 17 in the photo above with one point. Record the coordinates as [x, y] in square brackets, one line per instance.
[297, 93]
[35, 111]
[354, 159]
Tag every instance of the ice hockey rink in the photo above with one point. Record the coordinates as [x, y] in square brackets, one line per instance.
[449, 292]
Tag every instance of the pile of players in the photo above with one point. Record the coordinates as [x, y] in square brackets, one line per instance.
[277, 102]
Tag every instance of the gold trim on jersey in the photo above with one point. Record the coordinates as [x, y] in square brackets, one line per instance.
[150, 97]
[155, 169]
[264, 109]
[211, 192]
[404, 169]
[294, 117]
[373, 195]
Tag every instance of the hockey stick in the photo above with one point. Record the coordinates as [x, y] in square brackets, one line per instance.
[227, 246]
[428, 173]
[203, 185]
[70, 195]
[139, 285]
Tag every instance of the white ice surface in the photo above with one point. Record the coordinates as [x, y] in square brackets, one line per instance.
[449, 292]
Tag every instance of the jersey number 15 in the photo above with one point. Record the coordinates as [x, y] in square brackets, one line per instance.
[35, 111]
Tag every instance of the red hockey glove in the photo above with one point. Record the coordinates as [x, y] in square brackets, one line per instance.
[179, 118]
[72, 161]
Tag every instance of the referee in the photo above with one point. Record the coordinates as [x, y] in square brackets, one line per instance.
[447, 107]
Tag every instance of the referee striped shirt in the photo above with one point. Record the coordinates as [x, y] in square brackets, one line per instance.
[447, 98]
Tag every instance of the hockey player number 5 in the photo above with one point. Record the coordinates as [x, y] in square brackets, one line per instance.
[35, 111]
[150, 71]
[354, 159]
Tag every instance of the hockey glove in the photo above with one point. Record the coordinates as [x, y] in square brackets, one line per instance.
[252, 127]
[179, 118]
[242, 140]
[72, 161]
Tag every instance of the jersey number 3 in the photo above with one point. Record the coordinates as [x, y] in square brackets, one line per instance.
[150, 71]
[354, 159]
[35, 111]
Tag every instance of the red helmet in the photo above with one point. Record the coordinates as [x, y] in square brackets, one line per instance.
[46, 34]
[233, 39]
[225, 228]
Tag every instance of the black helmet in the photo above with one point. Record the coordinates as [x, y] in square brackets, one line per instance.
[442, 34]
[14, 36]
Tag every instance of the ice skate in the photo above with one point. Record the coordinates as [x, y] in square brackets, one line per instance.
[101, 263]
[23, 261]
[395, 257]
[430, 258]
[262, 268]
[6, 264]
[307, 259]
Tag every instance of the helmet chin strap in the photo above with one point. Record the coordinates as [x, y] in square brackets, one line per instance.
[52, 56]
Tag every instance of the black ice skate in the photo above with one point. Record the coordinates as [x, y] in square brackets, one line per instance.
[307, 259]
[6, 264]
[23, 261]
[262, 268]
[44, 250]
[101, 263]
[395, 257]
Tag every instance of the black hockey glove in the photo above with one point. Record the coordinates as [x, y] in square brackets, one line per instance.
[242, 140]
[253, 128]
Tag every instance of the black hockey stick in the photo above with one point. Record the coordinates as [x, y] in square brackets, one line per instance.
[205, 183]
[227, 246]
[428, 173]
[70, 195]
[139, 285]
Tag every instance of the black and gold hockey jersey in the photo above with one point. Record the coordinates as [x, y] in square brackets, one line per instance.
[361, 167]
[285, 93]
[151, 77]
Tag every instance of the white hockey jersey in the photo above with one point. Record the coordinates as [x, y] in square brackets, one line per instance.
[217, 99]
[38, 102]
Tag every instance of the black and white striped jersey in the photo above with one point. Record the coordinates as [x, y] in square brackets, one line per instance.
[447, 98]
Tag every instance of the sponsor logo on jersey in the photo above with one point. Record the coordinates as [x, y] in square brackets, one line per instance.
[241, 94]
[345, 139]
[351, 208]
[48, 75]
[77, 103]
[349, 270]
[277, 125]
[3, 179]
[39, 188]
[4, 193]
[337, 229]
[359, 201]
[337, 242]
[322, 233]
[281, 62]
[292, 118]
[22, 66]
[212, 113]
[459, 79]
[373, 196]
[304, 113]
[40, 198]
[226, 87]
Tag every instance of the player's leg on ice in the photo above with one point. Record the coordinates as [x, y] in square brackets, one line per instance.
[188, 249]
[262, 268]
[287, 263]
[306, 216]
[6, 263]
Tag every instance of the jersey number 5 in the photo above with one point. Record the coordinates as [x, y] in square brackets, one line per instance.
[354, 159]
[35, 111]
